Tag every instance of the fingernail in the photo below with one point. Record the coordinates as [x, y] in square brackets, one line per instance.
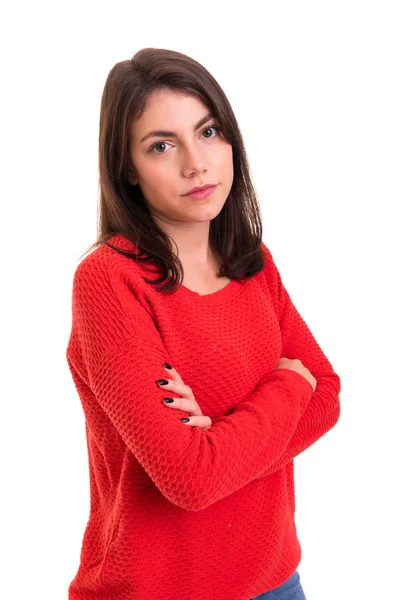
[162, 381]
[185, 420]
[167, 366]
[168, 400]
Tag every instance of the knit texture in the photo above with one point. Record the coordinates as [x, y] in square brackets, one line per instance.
[177, 512]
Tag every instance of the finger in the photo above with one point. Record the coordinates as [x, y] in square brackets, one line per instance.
[173, 373]
[203, 422]
[176, 386]
[185, 404]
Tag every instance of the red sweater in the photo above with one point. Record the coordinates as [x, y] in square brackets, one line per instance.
[177, 512]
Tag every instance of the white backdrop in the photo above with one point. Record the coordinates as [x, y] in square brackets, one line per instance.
[315, 88]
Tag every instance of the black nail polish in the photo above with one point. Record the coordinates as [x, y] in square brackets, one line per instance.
[168, 400]
[162, 381]
[185, 420]
[167, 366]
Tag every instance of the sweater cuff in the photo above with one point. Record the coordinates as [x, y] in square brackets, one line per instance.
[298, 377]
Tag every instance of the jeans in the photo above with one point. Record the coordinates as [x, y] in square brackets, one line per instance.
[289, 590]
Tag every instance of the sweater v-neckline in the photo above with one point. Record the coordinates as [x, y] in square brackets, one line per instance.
[212, 297]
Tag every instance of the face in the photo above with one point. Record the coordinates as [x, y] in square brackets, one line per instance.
[167, 166]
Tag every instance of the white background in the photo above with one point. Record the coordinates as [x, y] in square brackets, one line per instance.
[315, 88]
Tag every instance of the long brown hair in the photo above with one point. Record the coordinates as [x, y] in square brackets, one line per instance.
[235, 233]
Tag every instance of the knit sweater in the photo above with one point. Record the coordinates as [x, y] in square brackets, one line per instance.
[177, 512]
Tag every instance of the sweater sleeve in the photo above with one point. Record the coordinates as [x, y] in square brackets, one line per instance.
[323, 410]
[117, 350]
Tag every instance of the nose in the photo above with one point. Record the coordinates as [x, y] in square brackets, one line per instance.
[193, 161]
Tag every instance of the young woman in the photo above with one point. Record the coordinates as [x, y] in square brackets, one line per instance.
[200, 383]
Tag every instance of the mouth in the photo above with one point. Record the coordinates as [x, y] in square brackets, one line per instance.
[200, 188]
[201, 193]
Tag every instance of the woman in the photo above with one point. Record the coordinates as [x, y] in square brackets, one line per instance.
[200, 384]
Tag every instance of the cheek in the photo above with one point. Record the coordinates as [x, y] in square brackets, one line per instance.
[225, 153]
[226, 162]
[157, 176]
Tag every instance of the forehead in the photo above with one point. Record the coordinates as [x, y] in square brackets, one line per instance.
[167, 109]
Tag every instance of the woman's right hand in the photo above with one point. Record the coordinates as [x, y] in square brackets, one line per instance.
[295, 364]
[187, 402]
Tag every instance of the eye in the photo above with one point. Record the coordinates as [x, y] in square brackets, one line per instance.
[154, 146]
[211, 127]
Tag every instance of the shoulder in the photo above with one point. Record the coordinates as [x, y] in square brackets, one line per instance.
[270, 270]
[266, 251]
[105, 261]
[109, 288]
[273, 279]
[106, 280]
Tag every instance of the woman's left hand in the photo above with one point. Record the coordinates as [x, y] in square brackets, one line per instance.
[187, 402]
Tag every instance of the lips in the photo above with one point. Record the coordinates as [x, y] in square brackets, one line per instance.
[202, 194]
[200, 188]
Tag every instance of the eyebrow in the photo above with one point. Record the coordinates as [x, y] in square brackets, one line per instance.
[164, 133]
